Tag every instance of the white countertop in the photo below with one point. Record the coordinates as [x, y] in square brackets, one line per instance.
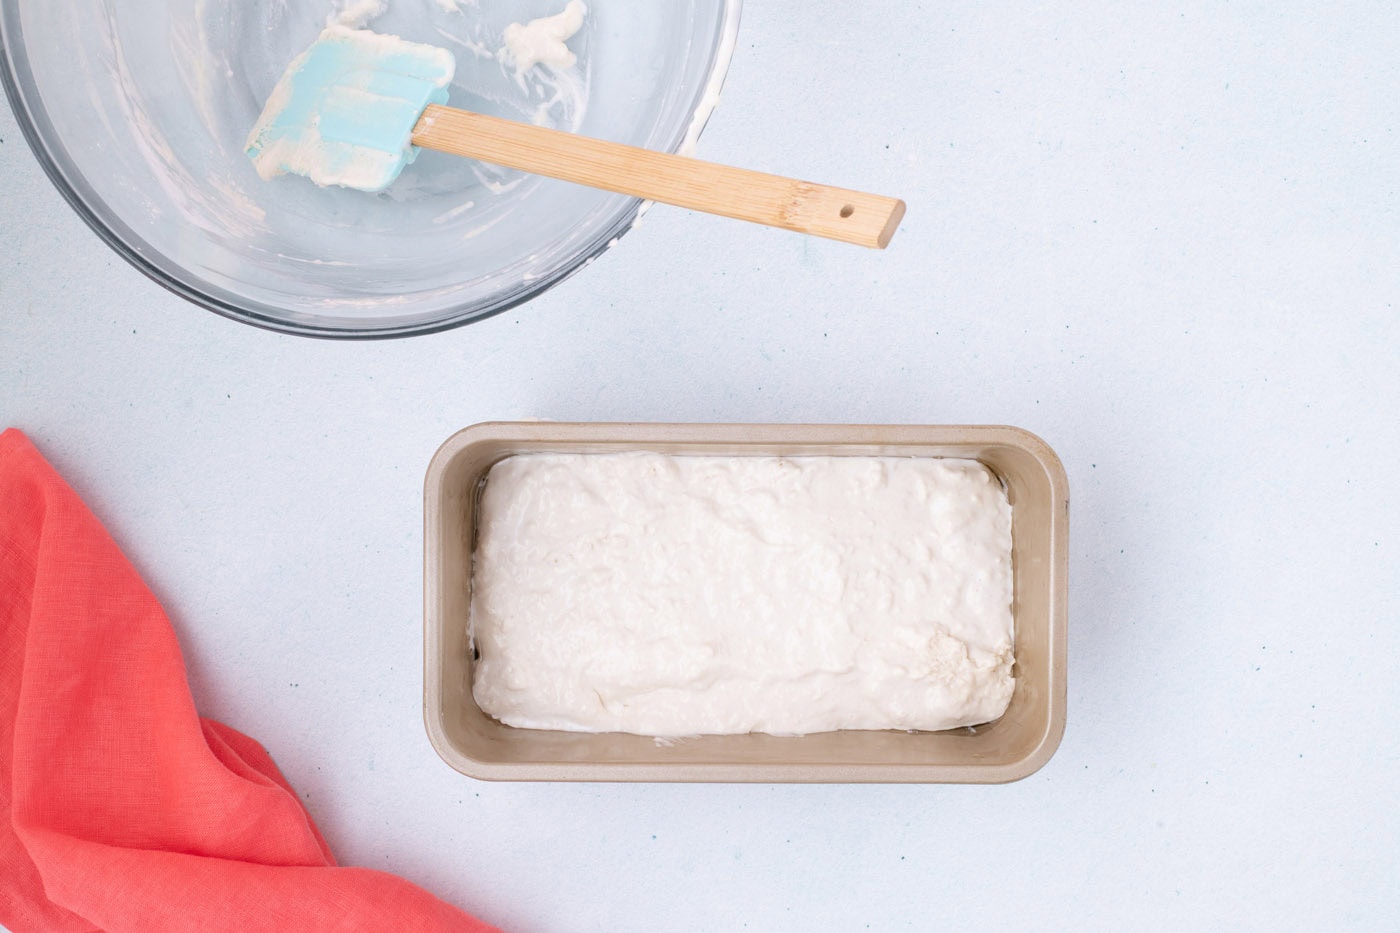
[1164, 238]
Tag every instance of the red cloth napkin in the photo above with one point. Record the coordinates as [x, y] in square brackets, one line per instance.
[126, 810]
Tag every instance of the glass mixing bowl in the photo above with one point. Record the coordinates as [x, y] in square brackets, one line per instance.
[139, 109]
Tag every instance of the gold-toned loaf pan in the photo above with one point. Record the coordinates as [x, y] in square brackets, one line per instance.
[1010, 748]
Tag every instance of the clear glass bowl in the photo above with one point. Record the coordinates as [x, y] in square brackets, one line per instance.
[138, 110]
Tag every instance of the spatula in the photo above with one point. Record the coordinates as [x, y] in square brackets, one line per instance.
[355, 108]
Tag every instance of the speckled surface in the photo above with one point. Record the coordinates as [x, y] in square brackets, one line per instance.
[1165, 239]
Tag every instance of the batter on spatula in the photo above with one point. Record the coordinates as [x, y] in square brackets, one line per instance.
[344, 111]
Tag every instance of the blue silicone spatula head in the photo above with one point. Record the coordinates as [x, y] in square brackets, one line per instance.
[344, 111]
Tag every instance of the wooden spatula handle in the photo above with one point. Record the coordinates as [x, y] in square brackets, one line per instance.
[836, 213]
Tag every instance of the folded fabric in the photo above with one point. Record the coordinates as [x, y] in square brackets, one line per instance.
[124, 809]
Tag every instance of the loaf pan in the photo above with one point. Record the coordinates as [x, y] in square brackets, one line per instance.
[1009, 749]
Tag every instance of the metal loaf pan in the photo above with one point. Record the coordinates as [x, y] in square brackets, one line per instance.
[1010, 748]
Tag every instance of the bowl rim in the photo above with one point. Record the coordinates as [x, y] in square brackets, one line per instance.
[38, 131]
